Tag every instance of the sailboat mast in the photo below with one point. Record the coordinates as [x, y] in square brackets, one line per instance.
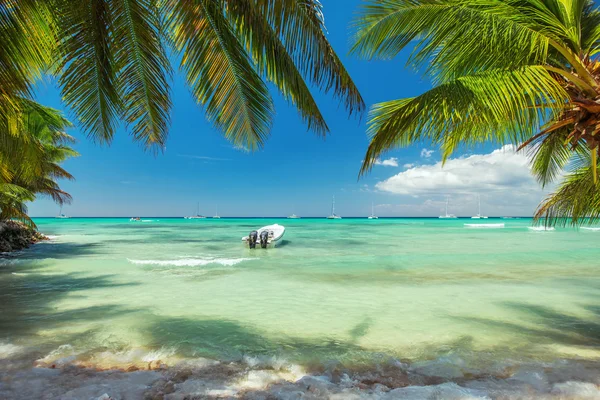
[333, 206]
[479, 201]
[446, 206]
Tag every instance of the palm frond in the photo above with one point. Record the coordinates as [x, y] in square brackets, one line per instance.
[301, 26]
[274, 61]
[501, 106]
[451, 37]
[220, 72]
[576, 201]
[89, 78]
[550, 155]
[142, 69]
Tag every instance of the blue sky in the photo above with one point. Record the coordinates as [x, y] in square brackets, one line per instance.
[295, 172]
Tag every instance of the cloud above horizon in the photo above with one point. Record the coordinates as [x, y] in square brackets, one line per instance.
[426, 153]
[390, 162]
[205, 158]
[503, 178]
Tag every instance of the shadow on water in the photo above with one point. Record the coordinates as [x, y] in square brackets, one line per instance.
[230, 340]
[28, 299]
[546, 325]
[55, 250]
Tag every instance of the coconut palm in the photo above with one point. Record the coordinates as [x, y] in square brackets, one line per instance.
[503, 71]
[30, 160]
[112, 60]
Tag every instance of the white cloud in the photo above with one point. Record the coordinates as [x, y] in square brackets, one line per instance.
[390, 162]
[206, 158]
[502, 177]
[425, 153]
[408, 165]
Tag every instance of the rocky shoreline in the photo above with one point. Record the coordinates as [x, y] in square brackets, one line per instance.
[16, 236]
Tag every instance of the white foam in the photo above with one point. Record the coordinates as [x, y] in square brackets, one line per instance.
[8, 350]
[192, 262]
[52, 237]
[484, 226]
[590, 229]
[541, 228]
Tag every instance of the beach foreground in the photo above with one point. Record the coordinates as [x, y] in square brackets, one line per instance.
[403, 308]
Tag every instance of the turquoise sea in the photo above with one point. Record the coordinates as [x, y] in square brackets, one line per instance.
[438, 297]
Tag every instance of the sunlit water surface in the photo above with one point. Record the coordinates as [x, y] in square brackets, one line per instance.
[112, 293]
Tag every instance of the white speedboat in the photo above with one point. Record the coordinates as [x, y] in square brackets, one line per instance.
[479, 216]
[267, 236]
[448, 216]
[135, 219]
[373, 216]
[294, 216]
[333, 215]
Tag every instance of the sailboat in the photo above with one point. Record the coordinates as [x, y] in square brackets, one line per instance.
[479, 216]
[216, 216]
[197, 216]
[373, 216]
[61, 215]
[448, 216]
[333, 216]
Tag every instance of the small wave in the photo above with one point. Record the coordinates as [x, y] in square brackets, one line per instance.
[590, 229]
[192, 262]
[484, 226]
[541, 228]
[52, 237]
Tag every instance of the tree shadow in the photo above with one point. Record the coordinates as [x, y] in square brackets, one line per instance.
[232, 341]
[28, 299]
[46, 249]
[548, 326]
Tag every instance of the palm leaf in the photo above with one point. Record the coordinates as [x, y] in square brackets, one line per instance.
[576, 201]
[274, 61]
[300, 25]
[221, 73]
[89, 77]
[142, 69]
[496, 105]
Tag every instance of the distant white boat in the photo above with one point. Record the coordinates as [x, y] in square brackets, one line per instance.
[216, 216]
[294, 216]
[333, 215]
[484, 226]
[265, 237]
[61, 215]
[479, 216]
[373, 216]
[448, 216]
[135, 219]
[197, 216]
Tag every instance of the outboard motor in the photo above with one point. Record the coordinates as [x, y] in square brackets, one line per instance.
[264, 239]
[252, 239]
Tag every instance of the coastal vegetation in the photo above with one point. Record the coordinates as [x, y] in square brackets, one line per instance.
[30, 158]
[503, 71]
[112, 60]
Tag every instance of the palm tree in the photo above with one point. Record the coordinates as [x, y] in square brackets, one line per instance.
[30, 160]
[112, 60]
[504, 71]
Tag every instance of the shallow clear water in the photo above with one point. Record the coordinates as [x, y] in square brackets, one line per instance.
[114, 293]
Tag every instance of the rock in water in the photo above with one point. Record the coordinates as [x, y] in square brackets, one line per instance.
[17, 236]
